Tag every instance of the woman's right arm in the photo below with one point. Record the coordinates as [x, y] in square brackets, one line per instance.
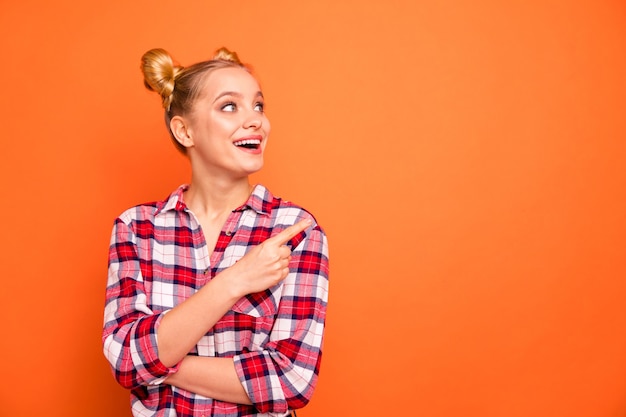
[144, 346]
[130, 326]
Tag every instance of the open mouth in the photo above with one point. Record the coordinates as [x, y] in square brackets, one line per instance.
[248, 143]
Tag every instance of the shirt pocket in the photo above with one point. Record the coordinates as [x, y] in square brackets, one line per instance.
[252, 318]
[260, 304]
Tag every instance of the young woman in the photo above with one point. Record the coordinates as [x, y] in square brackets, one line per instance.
[216, 296]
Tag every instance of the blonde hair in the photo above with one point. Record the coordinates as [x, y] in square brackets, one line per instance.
[180, 86]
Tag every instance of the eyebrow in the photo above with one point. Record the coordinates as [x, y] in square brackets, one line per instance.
[236, 94]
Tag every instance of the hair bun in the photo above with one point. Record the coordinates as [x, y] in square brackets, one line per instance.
[159, 74]
[223, 54]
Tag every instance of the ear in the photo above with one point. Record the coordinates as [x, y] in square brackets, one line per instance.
[180, 130]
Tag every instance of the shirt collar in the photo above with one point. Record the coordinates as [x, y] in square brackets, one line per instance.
[260, 200]
[174, 201]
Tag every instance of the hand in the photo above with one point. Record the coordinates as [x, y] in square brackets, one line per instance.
[266, 264]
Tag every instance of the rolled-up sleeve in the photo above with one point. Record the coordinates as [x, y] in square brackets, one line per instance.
[129, 333]
[283, 375]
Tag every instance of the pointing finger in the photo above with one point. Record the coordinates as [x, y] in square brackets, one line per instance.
[287, 234]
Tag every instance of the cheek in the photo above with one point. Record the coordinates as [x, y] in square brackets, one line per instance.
[267, 126]
[222, 127]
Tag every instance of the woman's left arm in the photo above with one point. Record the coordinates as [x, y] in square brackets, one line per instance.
[283, 375]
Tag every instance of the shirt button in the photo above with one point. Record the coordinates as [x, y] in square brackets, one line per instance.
[229, 233]
[206, 271]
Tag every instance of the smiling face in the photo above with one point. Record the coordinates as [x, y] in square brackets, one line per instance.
[226, 131]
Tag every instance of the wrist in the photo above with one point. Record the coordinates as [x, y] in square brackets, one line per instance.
[227, 284]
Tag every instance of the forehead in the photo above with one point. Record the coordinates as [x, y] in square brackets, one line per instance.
[232, 79]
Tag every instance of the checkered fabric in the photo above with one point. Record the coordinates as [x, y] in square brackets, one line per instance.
[158, 257]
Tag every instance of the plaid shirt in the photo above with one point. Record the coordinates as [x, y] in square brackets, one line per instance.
[158, 257]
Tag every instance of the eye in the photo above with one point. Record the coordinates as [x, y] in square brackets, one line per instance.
[260, 107]
[230, 106]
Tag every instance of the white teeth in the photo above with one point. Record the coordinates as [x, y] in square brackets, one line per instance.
[247, 142]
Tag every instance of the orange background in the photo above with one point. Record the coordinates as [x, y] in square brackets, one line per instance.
[466, 158]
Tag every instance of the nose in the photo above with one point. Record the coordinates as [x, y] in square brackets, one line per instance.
[253, 120]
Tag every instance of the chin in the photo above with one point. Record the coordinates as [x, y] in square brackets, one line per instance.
[253, 169]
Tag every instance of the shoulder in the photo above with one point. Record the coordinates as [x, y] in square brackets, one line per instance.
[285, 213]
[147, 212]
[310, 244]
[282, 211]
[140, 212]
[288, 212]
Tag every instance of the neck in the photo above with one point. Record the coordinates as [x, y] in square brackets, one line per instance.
[211, 198]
